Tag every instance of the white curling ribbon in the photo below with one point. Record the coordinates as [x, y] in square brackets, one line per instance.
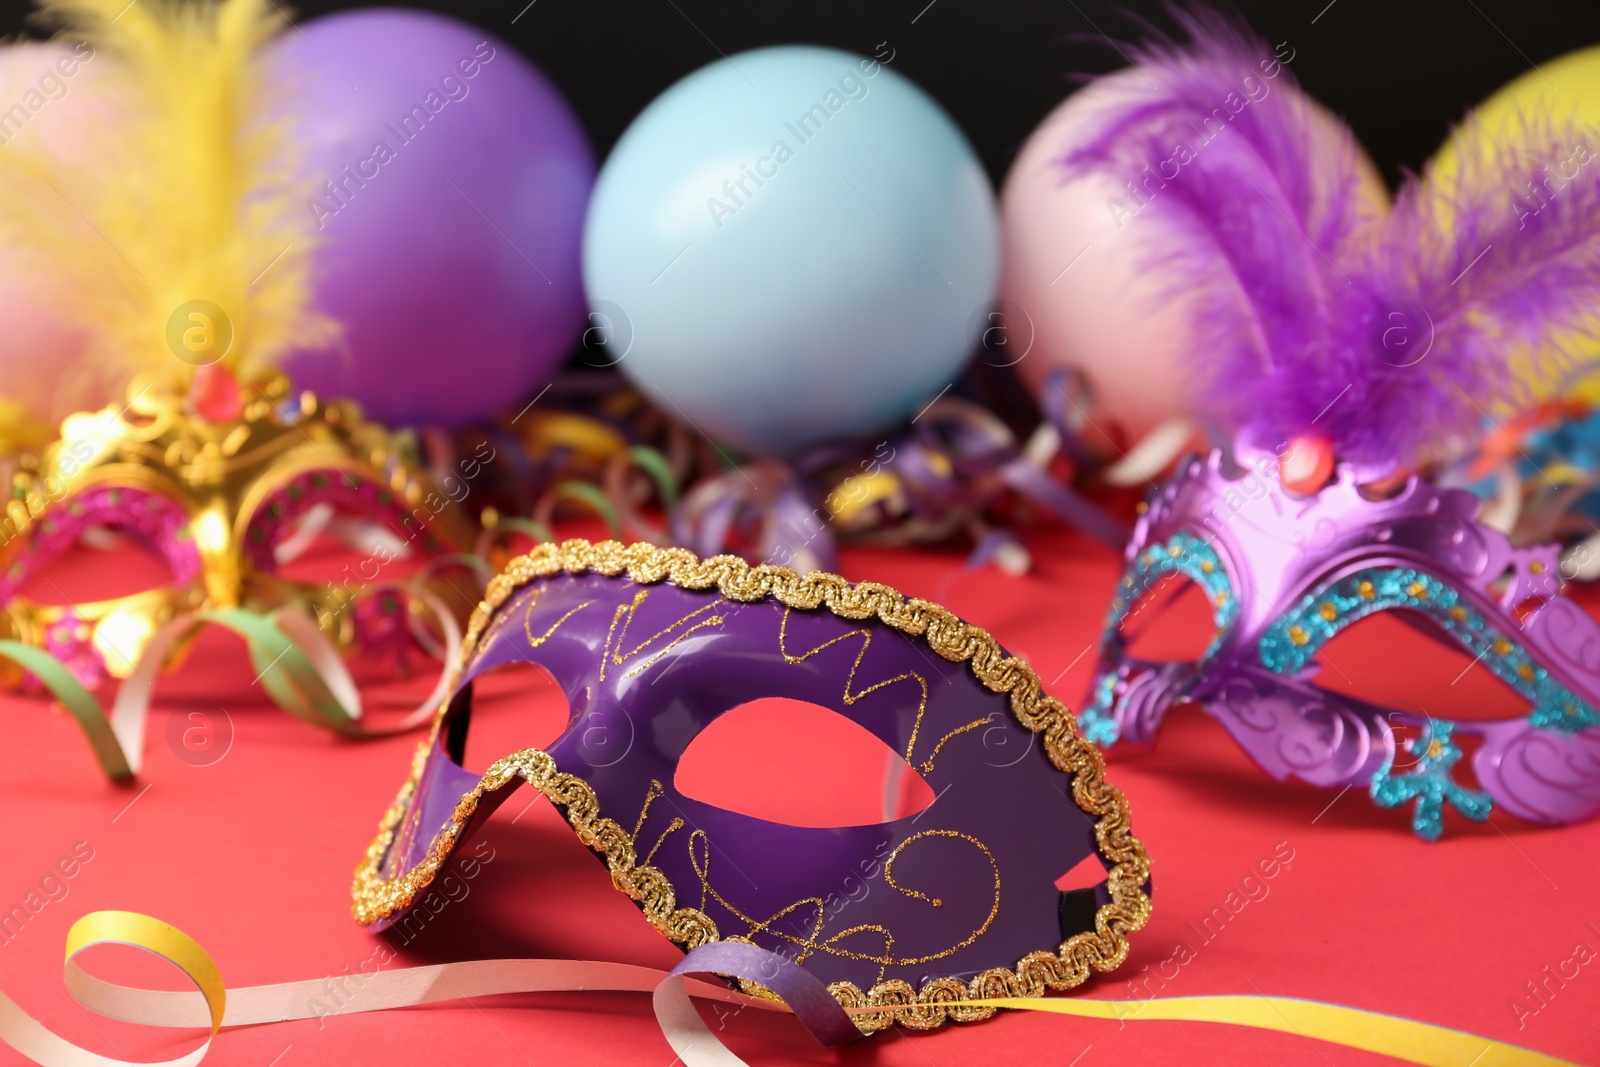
[1152, 455]
[694, 1042]
[306, 676]
[214, 1007]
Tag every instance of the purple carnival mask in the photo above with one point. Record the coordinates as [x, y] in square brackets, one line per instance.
[1284, 573]
[1358, 338]
[962, 900]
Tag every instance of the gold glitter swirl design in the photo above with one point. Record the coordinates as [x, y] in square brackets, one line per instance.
[813, 941]
[654, 793]
[527, 620]
[613, 654]
[849, 697]
[935, 1002]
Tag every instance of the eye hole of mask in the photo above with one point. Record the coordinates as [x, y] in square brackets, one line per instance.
[787, 761]
[103, 565]
[316, 545]
[512, 707]
[1399, 659]
[1527, 607]
[1172, 622]
[1085, 874]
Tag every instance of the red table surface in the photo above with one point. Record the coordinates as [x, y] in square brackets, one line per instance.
[252, 855]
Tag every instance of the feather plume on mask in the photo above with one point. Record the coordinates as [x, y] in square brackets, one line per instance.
[1390, 335]
[189, 193]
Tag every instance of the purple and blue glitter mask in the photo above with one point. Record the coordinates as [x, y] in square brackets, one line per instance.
[1284, 574]
[1338, 346]
[961, 899]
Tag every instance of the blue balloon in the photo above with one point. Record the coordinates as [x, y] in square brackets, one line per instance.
[787, 247]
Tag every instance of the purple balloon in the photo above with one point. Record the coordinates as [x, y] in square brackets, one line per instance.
[453, 183]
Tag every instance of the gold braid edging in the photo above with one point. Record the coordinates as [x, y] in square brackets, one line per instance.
[936, 1002]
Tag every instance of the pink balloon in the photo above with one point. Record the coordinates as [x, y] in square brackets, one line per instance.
[1077, 265]
[53, 98]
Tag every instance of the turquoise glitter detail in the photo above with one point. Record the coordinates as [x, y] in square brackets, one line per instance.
[1182, 554]
[1096, 722]
[1430, 784]
[1191, 557]
[1291, 642]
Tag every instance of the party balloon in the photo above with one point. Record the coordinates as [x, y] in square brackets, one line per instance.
[450, 186]
[53, 98]
[1083, 266]
[788, 246]
[1566, 89]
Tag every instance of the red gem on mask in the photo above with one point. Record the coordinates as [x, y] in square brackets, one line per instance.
[1308, 463]
[215, 394]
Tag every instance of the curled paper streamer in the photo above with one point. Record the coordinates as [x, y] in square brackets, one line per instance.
[695, 1044]
[1371, 1031]
[1066, 402]
[929, 482]
[23, 1033]
[302, 672]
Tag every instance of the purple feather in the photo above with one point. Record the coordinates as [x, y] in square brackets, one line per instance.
[1391, 336]
[1498, 261]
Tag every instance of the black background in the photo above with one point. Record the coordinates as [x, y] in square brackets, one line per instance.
[1400, 71]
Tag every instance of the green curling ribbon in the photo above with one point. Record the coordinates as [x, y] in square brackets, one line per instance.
[652, 462]
[530, 527]
[589, 495]
[470, 560]
[284, 670]
[90, 716]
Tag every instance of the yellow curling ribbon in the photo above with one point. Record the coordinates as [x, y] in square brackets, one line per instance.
[1370, 1031]
[877, 487]
[696, 1044]
[153, 935]
[27, 1036]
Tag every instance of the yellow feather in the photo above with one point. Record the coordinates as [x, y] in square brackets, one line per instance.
[191, 193]
[20, 430]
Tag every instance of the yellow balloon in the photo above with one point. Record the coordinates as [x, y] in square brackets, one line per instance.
[1564, 89]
